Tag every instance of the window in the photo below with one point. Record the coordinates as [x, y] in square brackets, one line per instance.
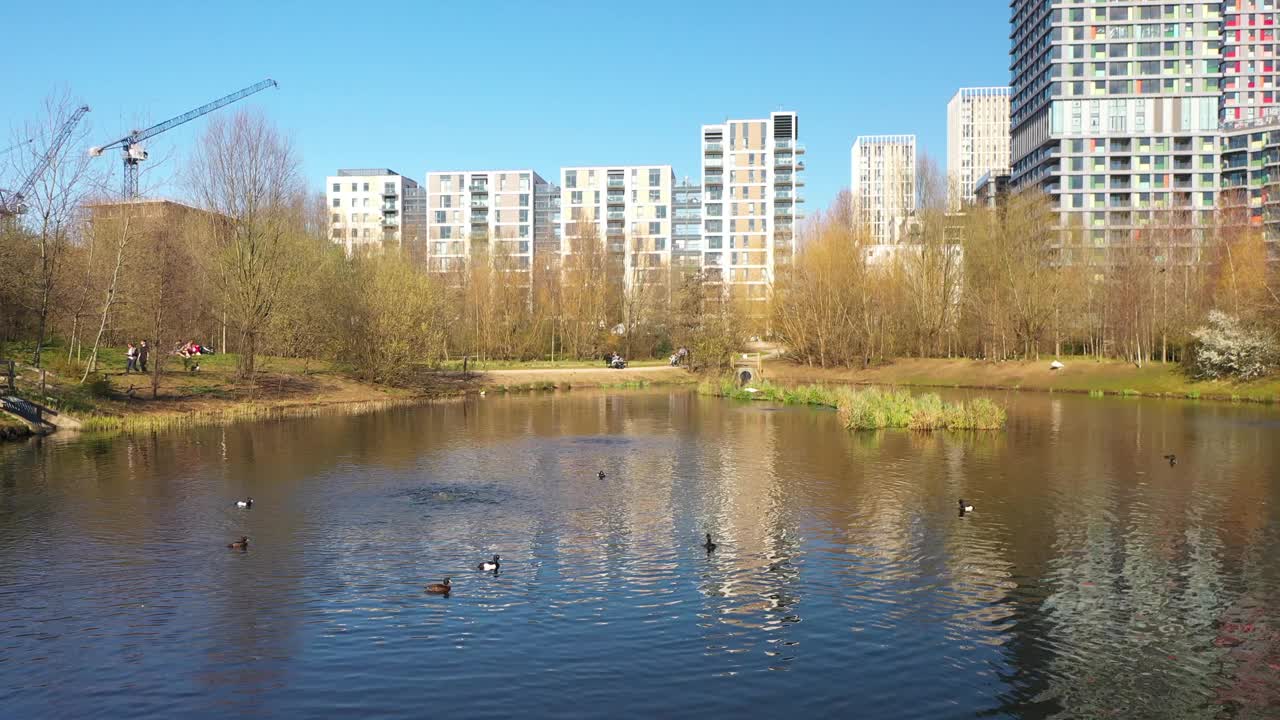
[571, 178]
[366, 187]
[524, 199]
[655, 196]
[575, 197]
[337, 217]
[446, 201]
[353, 187]
[440, 216]
[337, 187]
[655, 228]
[446, 233]
[524, 216]
[662, 212]
[337, 202]
[655, 178]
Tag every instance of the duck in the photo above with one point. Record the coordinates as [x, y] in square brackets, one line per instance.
[1173, 459]
[708, 545]
[241, 544]
[600, 475]
[440, 588]
[245, 504]
[963, 508]
[488, 565]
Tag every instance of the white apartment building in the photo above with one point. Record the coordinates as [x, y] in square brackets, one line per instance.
[883, 185]
[371, 208]
[630, 208]
[470, 211]
[750, 175]
[977, 140]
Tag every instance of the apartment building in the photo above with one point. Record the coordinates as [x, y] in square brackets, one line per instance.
[546, 222]
[883, 185]
[372, 208]
[628, 208]
[1249, 62]
[977, 140]
[1115, 114]
[686, 228]
[482, 212]
[751, 172]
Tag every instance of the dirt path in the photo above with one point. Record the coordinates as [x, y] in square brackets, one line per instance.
[586, 377]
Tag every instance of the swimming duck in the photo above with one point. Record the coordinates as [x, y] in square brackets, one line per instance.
[964, 508]
[440, 588]
[241, 544]
[1173, 459]
[245, 504]
[488, 565]
[600, 474]
[708, 545]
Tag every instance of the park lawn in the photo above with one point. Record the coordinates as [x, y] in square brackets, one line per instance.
[110, 398]
[1082, 375]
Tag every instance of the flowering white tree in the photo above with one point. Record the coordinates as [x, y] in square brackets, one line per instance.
[1225, 348]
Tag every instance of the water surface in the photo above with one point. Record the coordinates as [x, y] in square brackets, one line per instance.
[1093, 580]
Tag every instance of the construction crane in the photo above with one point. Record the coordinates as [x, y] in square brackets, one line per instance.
[11, 203]
[131, 144]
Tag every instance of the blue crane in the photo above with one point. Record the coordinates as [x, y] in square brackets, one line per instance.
[131, 144]
[11, 203]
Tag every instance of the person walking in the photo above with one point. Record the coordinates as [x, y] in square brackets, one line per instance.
[131, 359]
[143, 351]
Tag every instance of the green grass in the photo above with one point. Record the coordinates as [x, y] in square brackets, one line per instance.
[872, 409]
[1081, 375]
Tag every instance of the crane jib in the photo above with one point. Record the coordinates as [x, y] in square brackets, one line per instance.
[133, 155]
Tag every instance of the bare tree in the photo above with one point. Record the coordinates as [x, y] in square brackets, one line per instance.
[247, 173]
[53, 206]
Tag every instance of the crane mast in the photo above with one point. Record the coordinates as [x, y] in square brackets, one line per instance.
[131, 144]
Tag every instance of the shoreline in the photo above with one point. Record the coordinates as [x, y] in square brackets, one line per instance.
[285, 395]
[1081, 376]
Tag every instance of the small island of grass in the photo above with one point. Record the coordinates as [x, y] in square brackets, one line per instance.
[872, 408]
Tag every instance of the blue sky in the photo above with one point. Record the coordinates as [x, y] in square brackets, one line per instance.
[420, 86]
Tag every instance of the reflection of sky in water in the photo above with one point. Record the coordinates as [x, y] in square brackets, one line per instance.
[1091, 578]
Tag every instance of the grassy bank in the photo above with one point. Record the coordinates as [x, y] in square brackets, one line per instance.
[872, 408]
[113, 401]
[1081, 375]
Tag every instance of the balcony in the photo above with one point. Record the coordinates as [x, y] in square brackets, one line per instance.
[616, 183]
[783, 163]
[716, 179]
[784, 196]
[616, 199]
[713, 163]
[478, 189]
[783, 147]
[783, 179]
[389, 192]
[390, 222]
[479, 203]
[616, 215]
[713, 148]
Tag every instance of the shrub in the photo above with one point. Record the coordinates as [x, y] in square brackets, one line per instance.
[1226, 348]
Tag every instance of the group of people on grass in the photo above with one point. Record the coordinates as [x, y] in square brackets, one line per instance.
[136, 356]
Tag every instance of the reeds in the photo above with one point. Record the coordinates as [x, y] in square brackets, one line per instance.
[873, 408]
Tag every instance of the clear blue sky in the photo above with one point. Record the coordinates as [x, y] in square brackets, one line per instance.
[459, 85]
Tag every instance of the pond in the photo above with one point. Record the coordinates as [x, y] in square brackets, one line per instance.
[1092, 579]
